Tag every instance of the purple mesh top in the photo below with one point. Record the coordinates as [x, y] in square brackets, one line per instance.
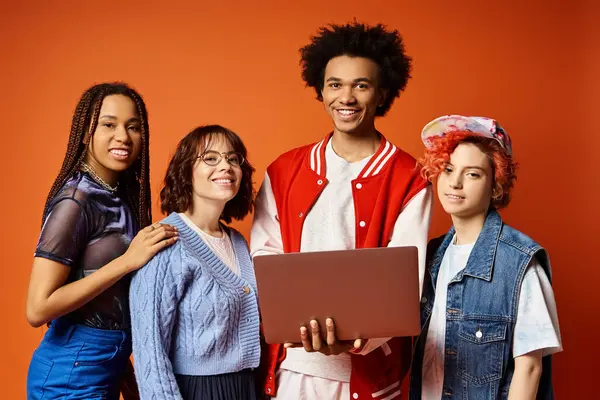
[86, 227]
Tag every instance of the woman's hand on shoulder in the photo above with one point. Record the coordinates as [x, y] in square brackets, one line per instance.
[148, 242]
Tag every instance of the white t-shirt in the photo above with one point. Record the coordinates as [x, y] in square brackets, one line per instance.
[536, 326]
[333, 209]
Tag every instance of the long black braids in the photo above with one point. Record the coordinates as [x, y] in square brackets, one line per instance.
[136, 180]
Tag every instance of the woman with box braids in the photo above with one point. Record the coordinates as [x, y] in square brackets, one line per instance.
[95, 232]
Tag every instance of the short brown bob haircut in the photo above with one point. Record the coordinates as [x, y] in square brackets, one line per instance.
[177, 192]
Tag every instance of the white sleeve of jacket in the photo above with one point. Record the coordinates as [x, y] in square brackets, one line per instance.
[265, 235]
[411, 229]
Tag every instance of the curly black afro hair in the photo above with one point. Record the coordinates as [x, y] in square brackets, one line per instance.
[358, 40]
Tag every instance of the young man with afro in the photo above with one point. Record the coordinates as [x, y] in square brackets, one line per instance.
[352, 189]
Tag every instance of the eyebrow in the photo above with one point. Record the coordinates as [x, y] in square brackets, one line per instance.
[468, 167]
[108, 116]
[357, 80]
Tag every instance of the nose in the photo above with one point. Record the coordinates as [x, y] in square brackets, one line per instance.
[347, 95]
[122, 135]
[455, 181]
[224, 164]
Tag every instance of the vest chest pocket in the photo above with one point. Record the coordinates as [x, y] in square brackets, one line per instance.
[481, 350]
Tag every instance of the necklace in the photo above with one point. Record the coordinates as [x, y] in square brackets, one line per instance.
[86, 168]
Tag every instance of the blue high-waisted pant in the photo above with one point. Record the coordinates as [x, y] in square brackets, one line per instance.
[78, 362]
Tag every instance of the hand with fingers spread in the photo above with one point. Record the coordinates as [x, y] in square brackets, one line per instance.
[148, 242]
[312, 341]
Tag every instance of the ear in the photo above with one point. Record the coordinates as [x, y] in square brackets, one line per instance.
[497, 192]
[382, 97]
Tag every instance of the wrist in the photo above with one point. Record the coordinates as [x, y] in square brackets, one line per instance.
[125, 264]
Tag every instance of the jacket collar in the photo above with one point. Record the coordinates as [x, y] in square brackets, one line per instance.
[381, 158]
[481, 260]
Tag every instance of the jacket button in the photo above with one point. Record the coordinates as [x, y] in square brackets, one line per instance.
[320, 182]
[355, 395]
[424, 300]
[362, 224]
[478, 334]
[359, 185]
[300, 215]
[246, 289]
[268, 390]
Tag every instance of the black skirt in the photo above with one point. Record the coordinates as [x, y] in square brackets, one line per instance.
[233, 386]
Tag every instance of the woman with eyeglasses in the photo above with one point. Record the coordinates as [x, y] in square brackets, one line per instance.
[195, 320]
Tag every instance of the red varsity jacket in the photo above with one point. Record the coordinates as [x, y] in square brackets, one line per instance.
[385, 185]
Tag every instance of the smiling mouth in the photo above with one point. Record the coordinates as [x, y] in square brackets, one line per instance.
[120, 153]
[223, 181]
[346, 113]
[455, 197]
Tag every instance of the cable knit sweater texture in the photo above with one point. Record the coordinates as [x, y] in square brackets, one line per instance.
[191, 315]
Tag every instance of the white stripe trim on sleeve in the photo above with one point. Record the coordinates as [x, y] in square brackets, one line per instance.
[393, 395]
[387, 389]
[387, 350]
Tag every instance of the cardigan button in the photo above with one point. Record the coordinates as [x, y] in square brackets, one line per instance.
[359, 185]
[424, 300]
[300, 215]
[320, 182]
[268, 390]
[246, 289]
[355, 395]
[362, 224]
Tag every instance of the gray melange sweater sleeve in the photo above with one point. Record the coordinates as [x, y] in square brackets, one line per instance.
[154, 295]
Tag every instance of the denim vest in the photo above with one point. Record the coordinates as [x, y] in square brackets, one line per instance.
[481, 313]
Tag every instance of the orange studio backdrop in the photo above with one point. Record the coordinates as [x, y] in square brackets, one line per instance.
[533, 66]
